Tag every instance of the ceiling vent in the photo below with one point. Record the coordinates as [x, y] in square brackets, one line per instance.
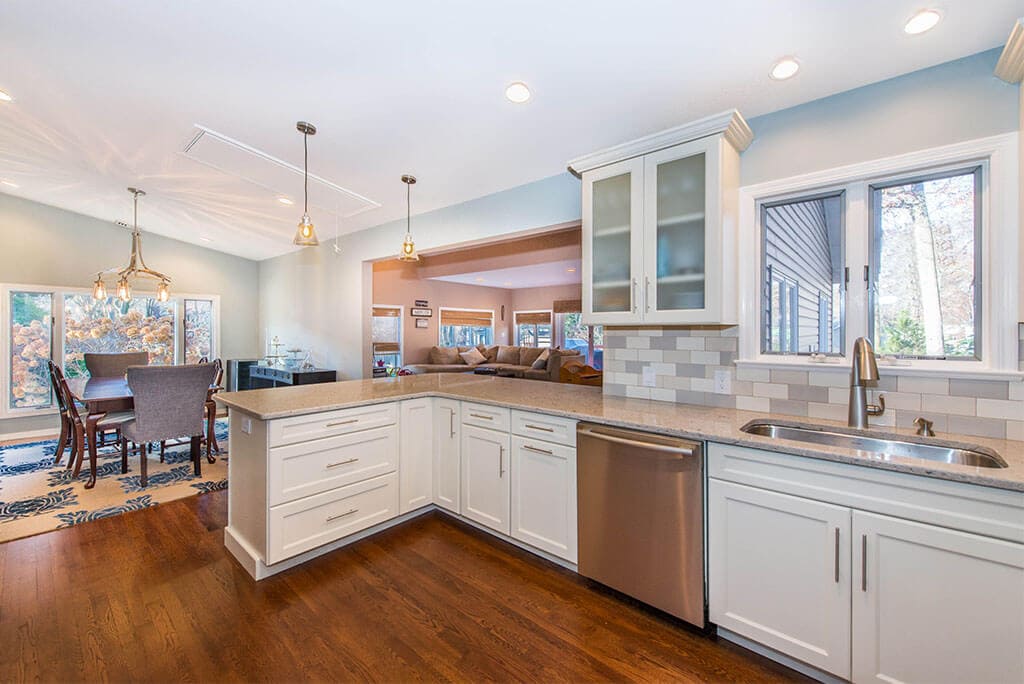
[277, 177]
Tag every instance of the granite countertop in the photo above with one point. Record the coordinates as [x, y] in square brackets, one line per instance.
[589, 404]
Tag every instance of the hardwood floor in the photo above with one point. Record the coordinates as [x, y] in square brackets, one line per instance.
[153, 595]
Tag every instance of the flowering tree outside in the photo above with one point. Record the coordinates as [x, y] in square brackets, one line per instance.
[30, 349]
[111, 326]
[198, 329]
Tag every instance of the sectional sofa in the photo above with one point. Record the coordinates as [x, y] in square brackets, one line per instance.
[506, 360]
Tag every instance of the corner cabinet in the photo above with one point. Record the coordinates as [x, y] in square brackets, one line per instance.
[659, 226]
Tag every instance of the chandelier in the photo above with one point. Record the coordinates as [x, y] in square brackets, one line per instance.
[136, 267]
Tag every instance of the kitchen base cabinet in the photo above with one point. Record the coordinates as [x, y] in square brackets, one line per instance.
[486, 482]
[778, 572]
[920, 589]
[544, 496]
[416, 453]
[447, 438]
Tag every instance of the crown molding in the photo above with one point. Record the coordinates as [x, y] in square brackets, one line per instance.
[730, 124]
[1010, 66]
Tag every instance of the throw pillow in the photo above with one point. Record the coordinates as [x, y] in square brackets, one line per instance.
[527, 355]
[472, 356]
[508, 355]
[490, 353]
[445, 356]
[542, 361]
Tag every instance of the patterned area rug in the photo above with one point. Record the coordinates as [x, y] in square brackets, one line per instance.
[36, 496]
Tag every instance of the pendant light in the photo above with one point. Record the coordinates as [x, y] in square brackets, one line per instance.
[136, 267]
[408, 252]
[305, 236]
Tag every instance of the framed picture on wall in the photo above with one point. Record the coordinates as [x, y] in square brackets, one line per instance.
[422, 323]
[421, 313]
[421, 302]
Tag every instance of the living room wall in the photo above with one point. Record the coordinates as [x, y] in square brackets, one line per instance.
[540, 298]
[398, 283]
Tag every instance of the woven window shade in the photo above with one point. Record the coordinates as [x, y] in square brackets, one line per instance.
[385, 312]
[567, 306]
[458, 317]
[534, 317]
[385, 347]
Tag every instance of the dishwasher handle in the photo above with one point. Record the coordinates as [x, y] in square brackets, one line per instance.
[681, 451]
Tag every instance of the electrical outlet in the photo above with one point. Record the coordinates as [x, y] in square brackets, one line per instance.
[247, 425]
[723, 382]
[649, 378]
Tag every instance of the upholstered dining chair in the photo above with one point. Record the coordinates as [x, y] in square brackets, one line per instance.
[114, 365]
[170, 402]
[209, 439]
[75, 427]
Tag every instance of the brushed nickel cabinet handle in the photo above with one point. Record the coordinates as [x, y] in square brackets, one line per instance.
[451, 422]
[837, 556]
[480, 415]
[538, 451]
[341, 515]
[647, 294]
[539, 427]
[341, 463]
[501, 460]
[864, 562]
[633, 296]
[343, 422]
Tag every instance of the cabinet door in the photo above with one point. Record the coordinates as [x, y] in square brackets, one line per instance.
[447, 430]
[920, 591]
[416, 453]
[613, 243]
[779, 572]
[544, 496]
[485, 477]
[680, 246]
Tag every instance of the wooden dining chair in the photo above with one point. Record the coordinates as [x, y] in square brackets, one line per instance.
[67, 428]
[76, 429]
[170, 402]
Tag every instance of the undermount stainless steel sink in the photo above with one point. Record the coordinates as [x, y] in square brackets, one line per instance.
[886, 444]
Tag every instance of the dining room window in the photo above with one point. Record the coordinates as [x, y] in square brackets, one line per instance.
[46, 323]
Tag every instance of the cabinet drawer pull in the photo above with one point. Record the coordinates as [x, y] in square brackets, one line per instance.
[539, 427]
[480, 415]
[341, 463]
[501, 461]
[451, 422]
[864, 562]
[633, 296]
[538, 451]
[837, 556]
[647, 295]
[341, 515]
[343, 422]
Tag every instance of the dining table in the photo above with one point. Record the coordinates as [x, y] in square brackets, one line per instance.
[102, 396]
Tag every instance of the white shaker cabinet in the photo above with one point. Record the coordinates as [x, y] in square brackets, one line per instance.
[447, 438]
[659, 225]
[486, 480]
[779, 572]
[416, 453]
[544, 496]
[920, 591]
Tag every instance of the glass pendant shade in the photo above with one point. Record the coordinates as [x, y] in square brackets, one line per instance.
[124, 291]
[163, 293]
[99, 289]
[408, 252]
[305, 236]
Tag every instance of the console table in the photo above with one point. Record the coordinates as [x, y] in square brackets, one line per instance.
[266, 376]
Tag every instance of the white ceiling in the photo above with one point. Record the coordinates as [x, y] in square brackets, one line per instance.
[107, 93]
[549, 274]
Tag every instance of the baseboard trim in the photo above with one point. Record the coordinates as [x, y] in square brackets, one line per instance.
[28, 434]
[781, 658]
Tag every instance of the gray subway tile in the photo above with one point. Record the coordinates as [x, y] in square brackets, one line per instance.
[614, 341]
[689, 397]
[978, 427]
[789, 377]
[720, 400]
[663, 342]
[808, 393]
[789, 407]
[690, 370]
[984, 389]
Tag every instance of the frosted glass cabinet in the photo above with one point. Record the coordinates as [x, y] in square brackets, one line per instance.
[659, 226]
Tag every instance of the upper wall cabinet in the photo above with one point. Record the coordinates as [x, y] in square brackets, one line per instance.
[659, 225]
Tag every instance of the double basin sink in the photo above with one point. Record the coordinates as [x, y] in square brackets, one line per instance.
[887, 445]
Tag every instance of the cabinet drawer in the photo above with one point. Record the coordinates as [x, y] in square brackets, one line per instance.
[308, 468]
[547, 428]
[330, 423]
[320, 519]
[482, 415]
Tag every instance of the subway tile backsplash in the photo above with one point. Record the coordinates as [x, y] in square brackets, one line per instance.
[685, 360]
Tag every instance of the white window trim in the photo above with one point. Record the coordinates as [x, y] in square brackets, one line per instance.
[998, 156]
[401, 328]
[57, 337]
[515, 323]
[462, 308]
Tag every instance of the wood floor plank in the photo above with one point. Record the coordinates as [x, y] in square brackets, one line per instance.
[153, 595]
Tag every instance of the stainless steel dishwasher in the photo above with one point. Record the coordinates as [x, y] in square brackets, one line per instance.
[641, 517]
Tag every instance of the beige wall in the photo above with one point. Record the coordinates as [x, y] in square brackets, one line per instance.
[397, 283]
[539, 298]
[43, 245]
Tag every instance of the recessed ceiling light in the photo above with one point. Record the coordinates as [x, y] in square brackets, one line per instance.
[285, 201]
[205, 239]
[479, 280]
[784, 68]
[925, 20]
[4, 97]
[570, 270]
[508, 283]
[9, 184]
[518, 92]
